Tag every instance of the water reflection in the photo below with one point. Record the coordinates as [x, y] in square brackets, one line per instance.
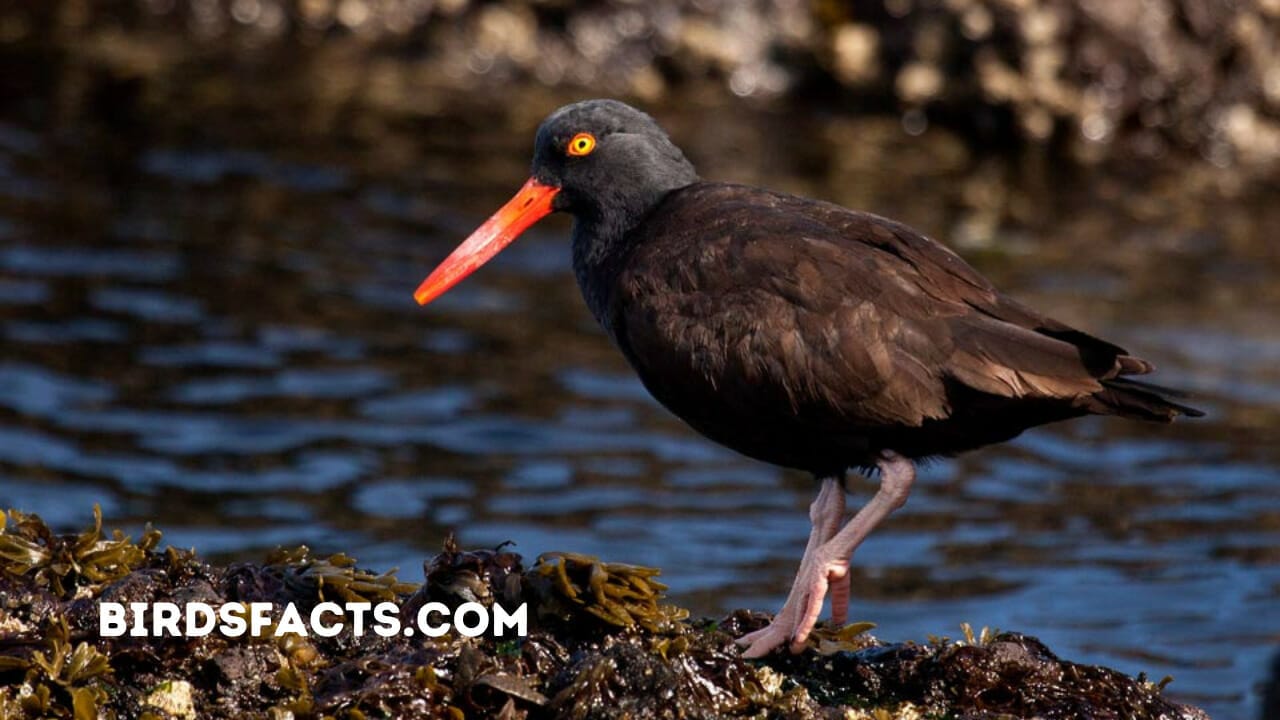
[220, 337]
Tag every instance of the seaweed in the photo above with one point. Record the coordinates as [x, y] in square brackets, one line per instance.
[603, 643]
[617, 594]
[65, 563]
[333, 578]
[60, 680]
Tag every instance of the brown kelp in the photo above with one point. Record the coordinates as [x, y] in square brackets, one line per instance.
[601, 643]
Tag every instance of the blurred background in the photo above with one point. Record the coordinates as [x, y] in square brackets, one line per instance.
[213, 214]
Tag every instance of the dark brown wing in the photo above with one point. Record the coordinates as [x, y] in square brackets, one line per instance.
[1007, 357]
[949, 279]
[755, 301]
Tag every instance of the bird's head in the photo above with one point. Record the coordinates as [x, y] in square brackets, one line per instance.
[602, 161]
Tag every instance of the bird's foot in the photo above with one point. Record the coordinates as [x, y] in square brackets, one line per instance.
[818, 573]
[825, 565]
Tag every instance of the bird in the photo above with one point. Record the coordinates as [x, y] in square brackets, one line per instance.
[799, 332]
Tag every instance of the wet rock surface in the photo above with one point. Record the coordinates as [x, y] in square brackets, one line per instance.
[602, 643]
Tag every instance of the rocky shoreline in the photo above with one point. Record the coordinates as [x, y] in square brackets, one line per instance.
[602, 642]
[1094, 81]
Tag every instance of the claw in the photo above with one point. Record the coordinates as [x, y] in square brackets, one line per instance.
[793, 624]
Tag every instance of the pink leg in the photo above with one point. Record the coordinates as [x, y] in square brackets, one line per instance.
[825, 513]
[826, 557]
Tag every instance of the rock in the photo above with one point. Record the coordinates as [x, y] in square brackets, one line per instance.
[601, 643]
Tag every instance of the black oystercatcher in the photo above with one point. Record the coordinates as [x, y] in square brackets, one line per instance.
[799, 332]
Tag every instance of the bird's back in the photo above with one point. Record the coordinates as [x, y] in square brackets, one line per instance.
[812, 336]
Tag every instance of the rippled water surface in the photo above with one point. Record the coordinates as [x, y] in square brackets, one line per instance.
[207, 319]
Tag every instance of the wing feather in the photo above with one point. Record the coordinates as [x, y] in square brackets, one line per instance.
[840, 315]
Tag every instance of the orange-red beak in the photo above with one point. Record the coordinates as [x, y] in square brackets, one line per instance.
[531, 204]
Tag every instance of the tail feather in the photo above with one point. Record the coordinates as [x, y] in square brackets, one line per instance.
[1140, 401]
[1163, 390]
[1130, 365]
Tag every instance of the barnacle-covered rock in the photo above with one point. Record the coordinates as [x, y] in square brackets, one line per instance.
[601, 644]
[454, 577]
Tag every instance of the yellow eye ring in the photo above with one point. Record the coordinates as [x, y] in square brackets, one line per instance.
[581, 144]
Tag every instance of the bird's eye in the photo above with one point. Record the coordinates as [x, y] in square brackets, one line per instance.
[582, 144]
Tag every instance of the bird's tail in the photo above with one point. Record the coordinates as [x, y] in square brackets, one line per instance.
[1140, 401]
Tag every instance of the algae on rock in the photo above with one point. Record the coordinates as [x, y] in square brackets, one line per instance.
[602, 643]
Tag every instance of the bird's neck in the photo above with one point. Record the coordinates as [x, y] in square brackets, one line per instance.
[599, 252]
[602, 240]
